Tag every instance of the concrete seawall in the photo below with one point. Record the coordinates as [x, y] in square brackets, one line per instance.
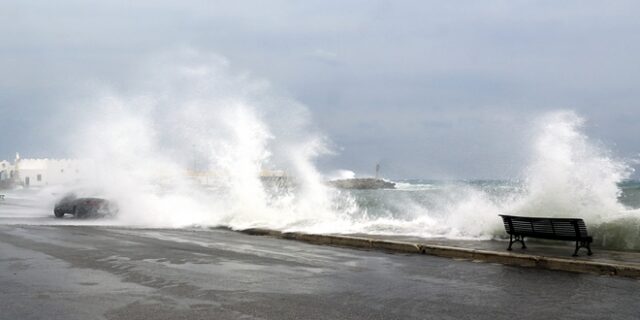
[620, 268]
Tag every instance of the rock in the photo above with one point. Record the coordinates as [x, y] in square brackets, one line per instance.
[362, 183]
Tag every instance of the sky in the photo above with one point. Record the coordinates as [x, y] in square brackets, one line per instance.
[428, 89]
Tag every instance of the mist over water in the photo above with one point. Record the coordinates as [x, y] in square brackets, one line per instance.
[192, 119]
[569, 174]
[189, 117]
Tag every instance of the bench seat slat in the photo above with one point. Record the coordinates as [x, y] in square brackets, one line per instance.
[552, 236]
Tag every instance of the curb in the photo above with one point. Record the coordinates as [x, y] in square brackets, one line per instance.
[505, 258]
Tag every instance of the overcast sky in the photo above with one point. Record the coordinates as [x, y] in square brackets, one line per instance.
[429, 89]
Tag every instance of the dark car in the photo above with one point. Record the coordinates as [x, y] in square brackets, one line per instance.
[86, 207]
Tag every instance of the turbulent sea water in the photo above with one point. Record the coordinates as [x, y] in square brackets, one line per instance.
[469, 210]
[630, 194]
[421, 208]
[434, 196]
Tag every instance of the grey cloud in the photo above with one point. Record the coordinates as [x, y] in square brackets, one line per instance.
[434, 88]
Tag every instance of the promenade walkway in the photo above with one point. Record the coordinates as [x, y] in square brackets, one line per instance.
[540, 254]
[555, 249]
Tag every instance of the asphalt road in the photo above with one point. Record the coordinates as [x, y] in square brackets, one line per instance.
[97, 272]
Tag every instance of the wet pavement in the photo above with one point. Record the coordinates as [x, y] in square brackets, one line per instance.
[100, 272]
[546, 248]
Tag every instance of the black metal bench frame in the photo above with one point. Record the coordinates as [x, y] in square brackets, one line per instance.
[565, 229]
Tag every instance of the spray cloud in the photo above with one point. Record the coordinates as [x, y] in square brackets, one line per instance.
[188, 117]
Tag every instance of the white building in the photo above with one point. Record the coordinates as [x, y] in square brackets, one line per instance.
[44, 172]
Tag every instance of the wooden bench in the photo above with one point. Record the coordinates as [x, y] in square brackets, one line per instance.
[565, 229]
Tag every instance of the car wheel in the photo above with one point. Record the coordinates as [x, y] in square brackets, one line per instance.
[58, 213]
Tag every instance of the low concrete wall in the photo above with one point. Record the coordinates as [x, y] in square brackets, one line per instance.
[506, 258]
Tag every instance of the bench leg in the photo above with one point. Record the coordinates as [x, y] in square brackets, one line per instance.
[582, 244]
[575, 253]
[518, 238]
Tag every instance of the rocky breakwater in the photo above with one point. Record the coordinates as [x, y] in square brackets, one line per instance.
[362, 183]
